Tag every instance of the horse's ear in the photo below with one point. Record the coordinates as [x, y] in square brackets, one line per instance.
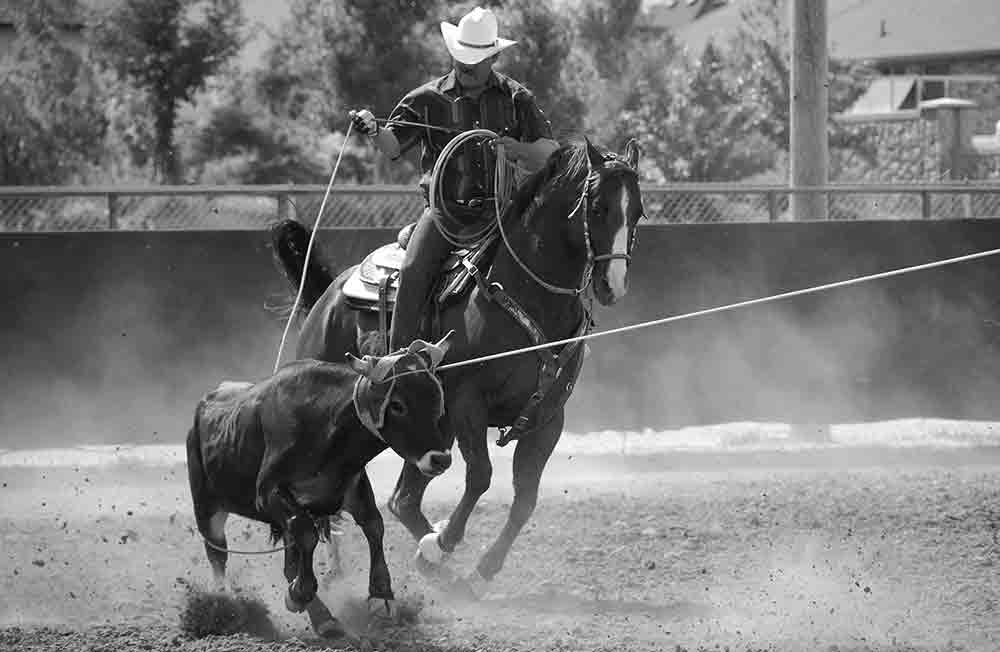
[632, 153]
[594, 154]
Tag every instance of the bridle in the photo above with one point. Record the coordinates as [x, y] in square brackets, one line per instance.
[582, 204]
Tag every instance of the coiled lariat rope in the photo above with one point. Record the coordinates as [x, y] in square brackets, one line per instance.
[505, 183]
[503, 187]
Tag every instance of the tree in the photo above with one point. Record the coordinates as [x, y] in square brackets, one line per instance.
[690, 121]
[168, 48]
[539, 60]
[51, 123]
[335, 55]
[606, 29]
[760, 51]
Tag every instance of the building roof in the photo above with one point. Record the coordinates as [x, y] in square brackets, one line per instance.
[878, 30]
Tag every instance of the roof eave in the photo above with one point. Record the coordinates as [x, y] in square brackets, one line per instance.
[936, 57]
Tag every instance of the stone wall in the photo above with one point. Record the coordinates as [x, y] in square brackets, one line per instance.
[904, 151]
[986, 95]
[907, 150]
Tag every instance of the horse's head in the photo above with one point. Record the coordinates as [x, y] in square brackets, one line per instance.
[399, 398]
[611, 206]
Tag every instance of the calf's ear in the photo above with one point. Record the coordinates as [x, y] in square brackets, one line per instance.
[363, 367]
[440, 349]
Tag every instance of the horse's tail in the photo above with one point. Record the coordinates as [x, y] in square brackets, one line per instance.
[290, 240]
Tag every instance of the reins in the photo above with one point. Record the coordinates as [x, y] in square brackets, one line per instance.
[585, 277]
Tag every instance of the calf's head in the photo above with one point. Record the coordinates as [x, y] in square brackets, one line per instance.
[400, 400]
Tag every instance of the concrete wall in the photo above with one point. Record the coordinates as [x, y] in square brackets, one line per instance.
[112, 337]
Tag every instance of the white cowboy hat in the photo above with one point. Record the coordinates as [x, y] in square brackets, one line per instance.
[475, 37]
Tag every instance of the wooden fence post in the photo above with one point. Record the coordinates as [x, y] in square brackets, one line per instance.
[808, 109]
[285, 206]
[772, 205]
[112, 211]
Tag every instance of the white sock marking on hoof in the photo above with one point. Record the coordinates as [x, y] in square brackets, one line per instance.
[430, 548]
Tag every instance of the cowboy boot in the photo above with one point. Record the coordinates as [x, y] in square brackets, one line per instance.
[425, 253]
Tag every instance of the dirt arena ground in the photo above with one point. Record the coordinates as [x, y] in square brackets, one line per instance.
[798, 551]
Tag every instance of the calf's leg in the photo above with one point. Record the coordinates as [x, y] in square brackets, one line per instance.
[209, 517]
[301, 538]
[365, 511]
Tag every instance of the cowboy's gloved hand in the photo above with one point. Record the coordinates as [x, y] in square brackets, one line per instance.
[364, 122]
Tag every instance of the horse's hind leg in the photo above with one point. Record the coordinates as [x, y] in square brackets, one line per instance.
[530, 457]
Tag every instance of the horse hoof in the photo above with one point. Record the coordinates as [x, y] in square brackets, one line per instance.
[430, 548]
[381, 609]
[294, 606]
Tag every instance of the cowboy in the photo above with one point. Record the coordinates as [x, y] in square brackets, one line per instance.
[471, 96]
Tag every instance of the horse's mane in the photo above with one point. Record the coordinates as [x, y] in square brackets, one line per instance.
[568, 164]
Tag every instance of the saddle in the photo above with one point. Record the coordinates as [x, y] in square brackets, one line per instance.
[375, 281]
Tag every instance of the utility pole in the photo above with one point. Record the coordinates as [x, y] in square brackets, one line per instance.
[809, 107]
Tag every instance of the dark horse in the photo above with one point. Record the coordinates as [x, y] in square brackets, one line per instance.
[568, 227]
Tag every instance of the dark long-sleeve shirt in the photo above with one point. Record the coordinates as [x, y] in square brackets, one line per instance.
[504, 107]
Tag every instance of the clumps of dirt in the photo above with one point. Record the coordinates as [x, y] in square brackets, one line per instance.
[353, 613]
[213, 613]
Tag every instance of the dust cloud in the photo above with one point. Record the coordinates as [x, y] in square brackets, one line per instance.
[121, 352]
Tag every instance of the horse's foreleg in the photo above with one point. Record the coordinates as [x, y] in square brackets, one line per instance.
[407, 498]
[472, 443]
[530, 457]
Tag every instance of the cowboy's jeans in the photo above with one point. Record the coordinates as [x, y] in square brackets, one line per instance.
[425, 254]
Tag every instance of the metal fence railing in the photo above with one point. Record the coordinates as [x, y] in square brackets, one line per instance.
[255, 207]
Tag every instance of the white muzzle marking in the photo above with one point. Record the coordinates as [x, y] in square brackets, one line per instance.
[617, 273]
[425, 465]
